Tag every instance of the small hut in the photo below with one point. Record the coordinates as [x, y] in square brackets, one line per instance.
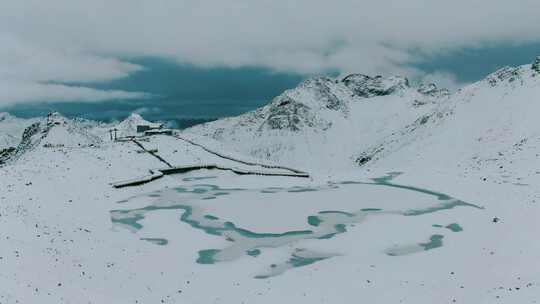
[149, 126]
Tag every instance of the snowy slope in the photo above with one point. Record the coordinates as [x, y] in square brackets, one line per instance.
[488, 130]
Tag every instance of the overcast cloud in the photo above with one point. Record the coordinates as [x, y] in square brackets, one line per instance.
[43, 43]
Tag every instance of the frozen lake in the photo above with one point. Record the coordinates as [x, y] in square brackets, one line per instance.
[251, 220]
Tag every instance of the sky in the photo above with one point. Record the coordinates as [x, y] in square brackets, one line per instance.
[201, 59]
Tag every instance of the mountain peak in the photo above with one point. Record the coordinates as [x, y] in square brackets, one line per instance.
[56, 118]
[299, 107]
[367, 86]
[510, 74]
[129, 125]
[133, 119]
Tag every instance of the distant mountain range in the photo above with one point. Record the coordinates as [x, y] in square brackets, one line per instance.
[330, 125]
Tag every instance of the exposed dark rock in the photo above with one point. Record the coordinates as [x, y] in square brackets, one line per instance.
[31, 131]
[320, 87]
[25, 144]
[6, 153]
[363, 160]
[298, 108]
[505, 74]
[432, 90]
[536, 64]
[288, 114]
[366, 86]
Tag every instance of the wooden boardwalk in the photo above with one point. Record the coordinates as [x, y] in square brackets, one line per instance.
[154, 174]
[158, 173]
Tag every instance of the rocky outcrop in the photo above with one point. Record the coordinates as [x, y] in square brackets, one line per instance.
[506, 74]
[27, 142]
[536, 65]
[366, 86]
[288, 114]
[321, 89]
[6, 154]
[298, 108]
[431, 89]
[29, 137]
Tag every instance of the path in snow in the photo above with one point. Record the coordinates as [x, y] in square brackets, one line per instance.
[158, 173]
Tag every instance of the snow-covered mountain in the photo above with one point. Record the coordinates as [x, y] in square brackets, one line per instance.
[335, 124]
[327, 121]
[413, 195]
[330, 125]
[338, 124]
